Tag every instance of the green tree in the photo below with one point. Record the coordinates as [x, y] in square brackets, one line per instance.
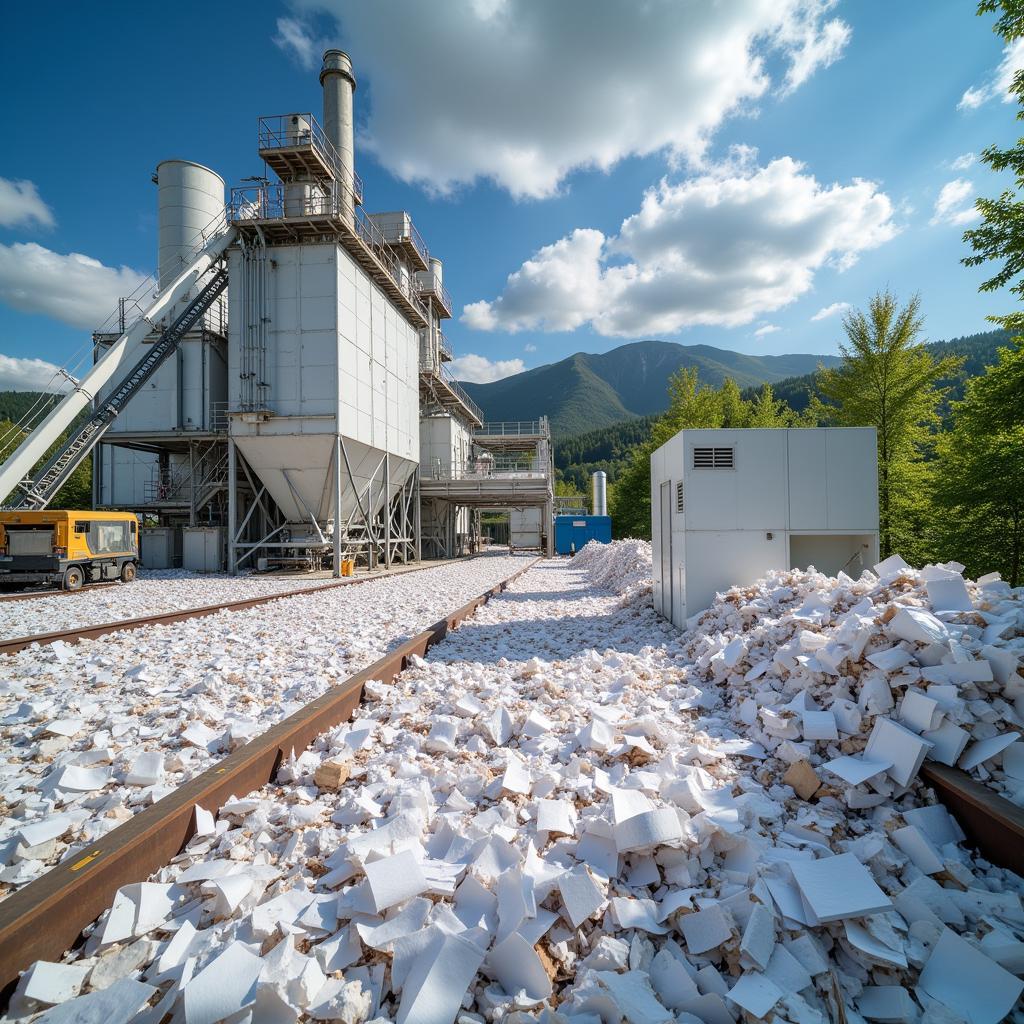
[769, 411]
[980, 479]
[889, 381]
[76, 492]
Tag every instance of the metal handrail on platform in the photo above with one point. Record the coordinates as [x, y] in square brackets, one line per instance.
[279, 131]
[329, 201]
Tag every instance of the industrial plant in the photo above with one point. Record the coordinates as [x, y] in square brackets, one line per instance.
[282, 398]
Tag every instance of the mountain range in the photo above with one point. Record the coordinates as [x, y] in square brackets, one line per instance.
[585, 391]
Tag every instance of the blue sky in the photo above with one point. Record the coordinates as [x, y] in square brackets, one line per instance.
[517, 131]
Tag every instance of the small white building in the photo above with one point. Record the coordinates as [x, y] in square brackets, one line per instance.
[727, 506]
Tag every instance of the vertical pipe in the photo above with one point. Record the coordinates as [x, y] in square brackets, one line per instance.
[339, 85]
[337, 505]
[232, 506]
[387, 510]
[417, 520]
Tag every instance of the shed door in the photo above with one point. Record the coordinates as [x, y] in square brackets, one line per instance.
[667, 590]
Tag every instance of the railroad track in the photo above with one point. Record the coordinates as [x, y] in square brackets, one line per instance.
[58, 593]
[72, 636]
[46, 917]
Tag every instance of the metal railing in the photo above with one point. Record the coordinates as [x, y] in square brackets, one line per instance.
[398, 226]
[282, 131]
[511, 428]
[459, 390]
[308, 201]
[429, 285]
[444, 348]
[497, 468]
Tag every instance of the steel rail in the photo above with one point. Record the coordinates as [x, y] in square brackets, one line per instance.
[71, 636]
[46, 917]
[88, 588]
[992, 823]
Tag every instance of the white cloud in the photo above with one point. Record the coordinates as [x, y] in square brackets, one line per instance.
[481, 370]
[999, 82]
[20, 205]
[529, 348]
[71, 287]
[522, 93]
[955, 203]
[763, 332]
[18, 374]
[826, 311]
[294, 37]
[721, 249]
[963, 162]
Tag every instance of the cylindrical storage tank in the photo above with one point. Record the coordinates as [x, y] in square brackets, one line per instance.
[599, 483]
[190, 198]
[437, 271]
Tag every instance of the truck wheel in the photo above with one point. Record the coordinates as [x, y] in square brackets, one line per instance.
[74, 578]
[128, 572]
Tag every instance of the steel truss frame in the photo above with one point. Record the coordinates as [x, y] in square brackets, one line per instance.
[386, 537]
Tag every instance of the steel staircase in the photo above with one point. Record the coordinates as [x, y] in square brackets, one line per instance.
[37, 492]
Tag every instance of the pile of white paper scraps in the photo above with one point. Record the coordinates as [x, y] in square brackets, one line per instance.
[151, 593]
[94, 732]
[623, 567]
[864, 680]
[497, 837]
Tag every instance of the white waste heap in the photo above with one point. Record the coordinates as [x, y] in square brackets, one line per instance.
[571, 813]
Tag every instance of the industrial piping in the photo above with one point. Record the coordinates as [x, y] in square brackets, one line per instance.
[339, 85]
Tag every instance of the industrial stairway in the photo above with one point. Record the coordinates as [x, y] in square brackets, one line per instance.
[192, 292]
[38, 492]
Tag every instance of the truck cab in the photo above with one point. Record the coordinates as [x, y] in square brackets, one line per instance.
[67, 548]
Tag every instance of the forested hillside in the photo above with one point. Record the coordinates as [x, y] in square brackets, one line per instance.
[588, 391]
[977, 351]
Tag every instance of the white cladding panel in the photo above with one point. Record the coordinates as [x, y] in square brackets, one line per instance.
[752, 495]
[126, 476]
[188, 392]
[524, 527]
[445, 444]
[755, 500]
[341, 358]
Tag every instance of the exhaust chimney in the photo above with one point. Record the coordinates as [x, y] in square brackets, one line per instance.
[599, 482]
[339, 84]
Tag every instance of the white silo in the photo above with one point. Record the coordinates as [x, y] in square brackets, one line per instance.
[323, 345]
[190, 197]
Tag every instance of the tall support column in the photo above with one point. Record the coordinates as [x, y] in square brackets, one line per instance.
[387, 511]
[337, 505]
[191, 484]
[417, 520]
[232, 506]
[550, 520]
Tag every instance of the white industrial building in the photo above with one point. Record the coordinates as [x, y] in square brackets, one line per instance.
[289, 397]
[727, 506]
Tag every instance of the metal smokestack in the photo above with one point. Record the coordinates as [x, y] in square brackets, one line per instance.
[599, 482]
[339, 85]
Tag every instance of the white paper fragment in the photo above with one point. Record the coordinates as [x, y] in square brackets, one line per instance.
[838, 887]
[968, 982]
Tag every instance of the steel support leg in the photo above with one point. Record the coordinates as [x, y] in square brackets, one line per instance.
[337, 504]
[232, 506]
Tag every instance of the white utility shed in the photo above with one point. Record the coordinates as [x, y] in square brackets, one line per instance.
[727, 506]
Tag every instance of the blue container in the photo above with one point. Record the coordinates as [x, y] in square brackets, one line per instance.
[572, 532]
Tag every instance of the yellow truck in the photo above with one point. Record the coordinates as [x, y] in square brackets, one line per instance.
[67, 548]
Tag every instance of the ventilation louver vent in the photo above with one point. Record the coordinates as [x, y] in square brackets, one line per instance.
[712, 458]
[679, 496]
